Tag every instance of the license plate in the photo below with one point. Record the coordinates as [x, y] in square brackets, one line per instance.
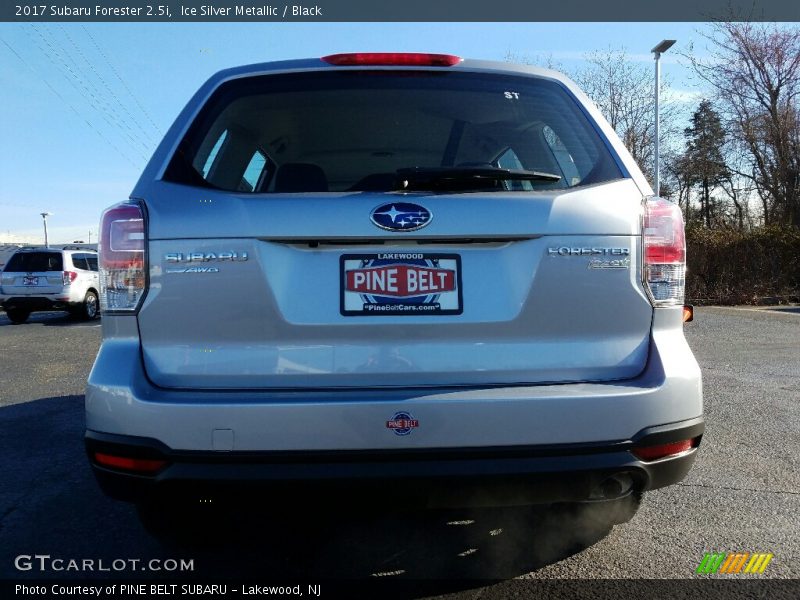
[400, 283]
[30, 281]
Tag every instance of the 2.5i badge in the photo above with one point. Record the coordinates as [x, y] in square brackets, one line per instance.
[401, 283]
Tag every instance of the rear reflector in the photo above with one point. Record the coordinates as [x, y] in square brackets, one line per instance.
[122, 258]
[137, 465]
[664, 252]
[649, 453]
[688, 313]
[406, 59]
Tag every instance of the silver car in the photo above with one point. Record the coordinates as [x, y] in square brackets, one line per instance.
[447, 275]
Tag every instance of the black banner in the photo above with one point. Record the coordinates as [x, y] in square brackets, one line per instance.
[749, 588]
[405, 10]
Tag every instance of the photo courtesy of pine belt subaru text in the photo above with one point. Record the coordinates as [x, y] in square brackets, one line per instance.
[366, 269]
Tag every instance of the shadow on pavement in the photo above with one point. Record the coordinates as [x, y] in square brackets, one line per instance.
[48, 319]
[785, 309]
[51, 504]
[448, 545]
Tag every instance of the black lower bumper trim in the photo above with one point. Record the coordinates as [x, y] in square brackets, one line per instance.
[463, 476]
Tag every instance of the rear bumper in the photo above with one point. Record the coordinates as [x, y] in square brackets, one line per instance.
[452, 477]
[120, 400]
[37, 303]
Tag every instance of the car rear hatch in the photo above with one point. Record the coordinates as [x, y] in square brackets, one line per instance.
[392, 228]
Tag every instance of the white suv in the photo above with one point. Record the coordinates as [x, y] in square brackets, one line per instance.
[40, 278]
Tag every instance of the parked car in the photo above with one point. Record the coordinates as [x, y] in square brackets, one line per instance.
[42, 278]
[408, 271]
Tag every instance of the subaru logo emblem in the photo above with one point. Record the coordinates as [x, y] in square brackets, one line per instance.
[401, 216]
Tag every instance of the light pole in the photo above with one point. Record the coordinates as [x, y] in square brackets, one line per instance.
[44, 220]
[662, 47]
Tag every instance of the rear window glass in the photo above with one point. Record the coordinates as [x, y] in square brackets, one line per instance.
[351, 131]
[35, 261]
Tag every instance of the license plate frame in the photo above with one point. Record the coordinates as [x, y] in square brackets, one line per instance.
[30, 280]
[437, 277]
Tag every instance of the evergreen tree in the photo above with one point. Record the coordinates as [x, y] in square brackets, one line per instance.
[704, 141]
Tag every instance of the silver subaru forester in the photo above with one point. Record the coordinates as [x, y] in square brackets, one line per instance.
[372, 268]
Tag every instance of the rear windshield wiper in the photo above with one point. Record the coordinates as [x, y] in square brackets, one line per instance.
[466, 177]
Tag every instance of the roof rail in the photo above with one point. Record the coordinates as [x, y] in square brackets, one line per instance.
[40, 247]
[90, 247]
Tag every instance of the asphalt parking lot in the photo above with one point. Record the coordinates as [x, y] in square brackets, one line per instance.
[743, 493]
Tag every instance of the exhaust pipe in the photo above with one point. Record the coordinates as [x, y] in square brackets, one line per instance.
[613, 487]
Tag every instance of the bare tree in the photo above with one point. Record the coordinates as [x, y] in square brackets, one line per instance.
[540, 60]
[623, 91]
[738, 187]
[754, 69]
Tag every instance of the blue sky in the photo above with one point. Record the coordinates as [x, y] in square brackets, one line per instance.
[83, 106]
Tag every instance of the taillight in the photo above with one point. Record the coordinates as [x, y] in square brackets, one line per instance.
[405, 59]
[122, 258]
[688, 313]
[664, 247]
[68, 277]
